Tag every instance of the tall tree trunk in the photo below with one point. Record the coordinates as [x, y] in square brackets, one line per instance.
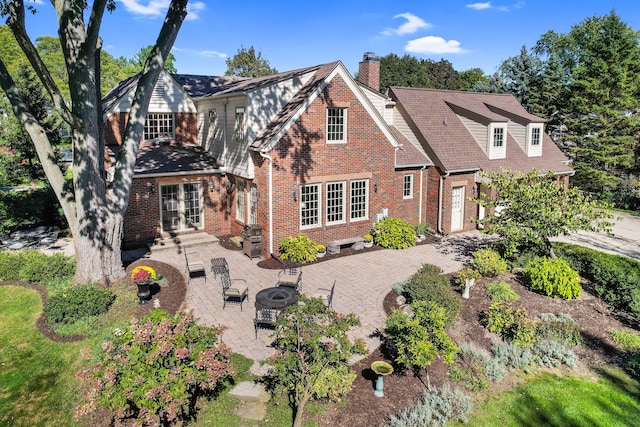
[297, 419]
[549, 246]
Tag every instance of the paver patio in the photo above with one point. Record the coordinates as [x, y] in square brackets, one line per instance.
[362, 282]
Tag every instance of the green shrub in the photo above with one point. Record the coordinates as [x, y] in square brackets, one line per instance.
[77, 302]
[35, 267]
[512, 324]
[423, 229]
[415, 341]
[429, 284]
[489, 263]
[334, 383]
[511, 355]
[476, 367]
[501, 291]
[435, 407]
[561, 328]
[632, 365]
[156, 369]
[628, 341]
[615, 279]
[554, 278]
[299, 249]
[394, 233]
[552, 354]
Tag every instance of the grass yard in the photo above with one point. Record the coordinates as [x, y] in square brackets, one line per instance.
[37, 376]
[608, 398]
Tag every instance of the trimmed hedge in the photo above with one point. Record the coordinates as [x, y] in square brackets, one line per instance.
[394, 233]
[77, 302]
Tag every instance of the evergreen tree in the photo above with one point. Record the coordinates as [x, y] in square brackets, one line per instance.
[246, 63]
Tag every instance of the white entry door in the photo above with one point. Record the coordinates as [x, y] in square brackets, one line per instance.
[457, 208]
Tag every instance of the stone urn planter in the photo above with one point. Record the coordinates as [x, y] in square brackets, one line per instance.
[381, 369]
[467, 278]
[144, 292]
[368, 240]
[321, 251]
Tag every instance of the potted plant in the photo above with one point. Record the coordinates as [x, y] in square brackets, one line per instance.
[143, 276]
[421, 232]
[321, 250]
[467, 277]
[368, 240]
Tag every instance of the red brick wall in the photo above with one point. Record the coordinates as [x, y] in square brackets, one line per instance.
[303, 156]
[470, 208]
[185, 124]
[142, 219]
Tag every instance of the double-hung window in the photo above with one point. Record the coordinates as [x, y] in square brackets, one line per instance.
[497, 141]
[336, 124]
[310, 206]
[407, 186]
[335, 202]
[158, 125]
[181, 206]
[240, 200]
[536, 136]
[498, 137]
[359, 200]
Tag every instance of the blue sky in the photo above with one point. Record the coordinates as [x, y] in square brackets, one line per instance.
[303, 33]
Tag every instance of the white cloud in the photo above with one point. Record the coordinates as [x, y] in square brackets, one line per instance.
[479, 6]
[412, 25]
[158, 8]
[432, 44]
[39, 2]
[205, 53]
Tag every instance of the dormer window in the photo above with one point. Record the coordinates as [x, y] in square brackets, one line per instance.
[497, 141]
[534, 140]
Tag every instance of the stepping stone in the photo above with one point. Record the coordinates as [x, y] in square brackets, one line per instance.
[253, 397]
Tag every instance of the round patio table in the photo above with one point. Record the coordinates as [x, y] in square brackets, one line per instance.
[277, 297]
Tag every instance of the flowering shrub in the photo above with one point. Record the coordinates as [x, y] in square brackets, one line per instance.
[155, 370]
[144, 273]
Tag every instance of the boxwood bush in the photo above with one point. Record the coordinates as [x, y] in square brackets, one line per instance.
[489, 263]
[394, 233]
[429, 284]
[77, 302]
[554, 278]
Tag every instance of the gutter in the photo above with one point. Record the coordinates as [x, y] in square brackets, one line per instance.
[268, 158]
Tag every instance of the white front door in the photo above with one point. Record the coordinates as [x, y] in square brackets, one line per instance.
[457, 208]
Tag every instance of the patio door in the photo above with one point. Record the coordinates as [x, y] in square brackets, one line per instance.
[457, 208]
[181, 206]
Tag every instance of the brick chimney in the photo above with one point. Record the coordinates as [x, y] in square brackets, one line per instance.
[369, 71]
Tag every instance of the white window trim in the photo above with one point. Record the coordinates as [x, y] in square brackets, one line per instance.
[494, 152]
[344, 126]
[319, 213]
[534, 150]
[182, 220]
[160, 135]
[241, 201]
[344, 203]
[404, 181]
[365, 217]
[239, 125]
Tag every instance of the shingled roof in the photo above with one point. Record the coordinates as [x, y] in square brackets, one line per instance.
[435, 116]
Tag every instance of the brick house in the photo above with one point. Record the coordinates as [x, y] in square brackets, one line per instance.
[314, 151]
[468, 132]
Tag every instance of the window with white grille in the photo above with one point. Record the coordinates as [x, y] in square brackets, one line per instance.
[240, 200]
[158, 125]
[407, 186]
[335, 202]
[181, 206]
[359, 203]
[336, 124]
[238, 130]
[310, 205]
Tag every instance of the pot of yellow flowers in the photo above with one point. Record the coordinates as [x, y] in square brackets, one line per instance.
[143, 276]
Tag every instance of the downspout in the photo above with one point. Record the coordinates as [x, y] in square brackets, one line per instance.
[442, 178]
[421, 191]
[270, 160]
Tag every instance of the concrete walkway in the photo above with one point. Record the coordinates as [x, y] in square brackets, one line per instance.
[362, 282]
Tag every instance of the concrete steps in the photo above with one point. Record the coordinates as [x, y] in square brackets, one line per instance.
[183, 241]
[253, 398]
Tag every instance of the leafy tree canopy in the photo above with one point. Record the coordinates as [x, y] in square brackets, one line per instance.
[531, 209]
[246, 63]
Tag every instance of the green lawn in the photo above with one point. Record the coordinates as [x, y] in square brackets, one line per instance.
[37, 376]
[608, 398]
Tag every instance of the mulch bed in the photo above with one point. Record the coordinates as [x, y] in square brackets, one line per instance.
[401, 389]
